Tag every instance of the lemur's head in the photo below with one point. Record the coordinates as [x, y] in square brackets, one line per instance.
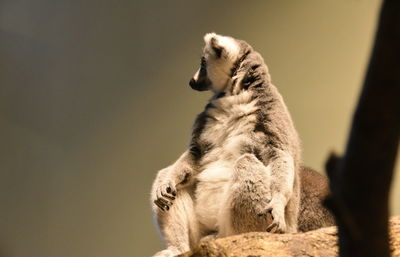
[221, 55]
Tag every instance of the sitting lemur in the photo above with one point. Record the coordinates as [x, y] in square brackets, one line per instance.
[242, 171]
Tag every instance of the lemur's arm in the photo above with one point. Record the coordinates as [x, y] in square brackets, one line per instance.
[183, 170]
[170, 179]
[281, 184]
[181, 173]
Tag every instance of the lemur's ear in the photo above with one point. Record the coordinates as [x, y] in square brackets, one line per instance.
[216, 47]
[211, 40]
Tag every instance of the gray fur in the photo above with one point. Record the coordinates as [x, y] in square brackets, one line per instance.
[249, 176]
[314, 189]
[240, 173]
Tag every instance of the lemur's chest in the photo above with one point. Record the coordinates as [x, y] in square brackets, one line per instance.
[228, 126]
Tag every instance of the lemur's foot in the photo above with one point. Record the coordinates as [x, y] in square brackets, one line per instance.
[278, 224]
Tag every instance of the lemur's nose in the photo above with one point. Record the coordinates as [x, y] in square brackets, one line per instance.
[192, 83]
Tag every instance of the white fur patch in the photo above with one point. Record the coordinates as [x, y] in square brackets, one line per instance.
[228, 43]
[208, 36]
[196, 75]
[212, 186]
[219, 69]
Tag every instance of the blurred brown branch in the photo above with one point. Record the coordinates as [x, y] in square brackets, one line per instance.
[360, 180]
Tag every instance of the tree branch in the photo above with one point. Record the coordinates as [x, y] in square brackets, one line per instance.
[360, 181]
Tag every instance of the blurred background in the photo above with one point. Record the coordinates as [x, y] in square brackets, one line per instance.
[94, 100]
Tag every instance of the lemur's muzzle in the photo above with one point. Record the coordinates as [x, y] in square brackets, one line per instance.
[198, 85]
[200, 81]
[192, 83]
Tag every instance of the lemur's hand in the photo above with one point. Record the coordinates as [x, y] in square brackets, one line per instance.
[277, 209]
[179, 176]
[165, 194]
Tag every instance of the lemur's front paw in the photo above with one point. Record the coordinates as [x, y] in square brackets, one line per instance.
[278, 224]
[165, 195]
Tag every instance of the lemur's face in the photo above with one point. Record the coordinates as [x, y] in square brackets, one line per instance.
[219, 56]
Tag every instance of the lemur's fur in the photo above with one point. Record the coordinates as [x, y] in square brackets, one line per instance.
[241, 172]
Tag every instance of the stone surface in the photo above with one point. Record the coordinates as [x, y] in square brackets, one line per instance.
[321, 242]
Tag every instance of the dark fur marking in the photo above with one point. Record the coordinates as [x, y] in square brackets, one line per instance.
[252, 149]
[186, 179]
[217, 49]
[210, 106]
[206, 147]
[198, 147]
[220, 95]
[195, 151]
[237, 64]
[198, 128]
[258, 85]
[203, 82]
[234, 81]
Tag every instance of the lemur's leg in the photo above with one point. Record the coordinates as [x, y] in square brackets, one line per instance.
[174, 213]
[178, 226]
[247, 200]
[173, 207]
[293, 206]
[285, 193]
[292, 213]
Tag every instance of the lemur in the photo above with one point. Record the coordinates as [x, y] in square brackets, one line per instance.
[241, 171]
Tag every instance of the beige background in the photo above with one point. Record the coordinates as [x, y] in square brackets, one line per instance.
[94, 100]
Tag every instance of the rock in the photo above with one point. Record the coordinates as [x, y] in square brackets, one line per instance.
[321, 242]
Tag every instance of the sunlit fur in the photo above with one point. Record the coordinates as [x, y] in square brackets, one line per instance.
[240, 171]
[219, 69]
